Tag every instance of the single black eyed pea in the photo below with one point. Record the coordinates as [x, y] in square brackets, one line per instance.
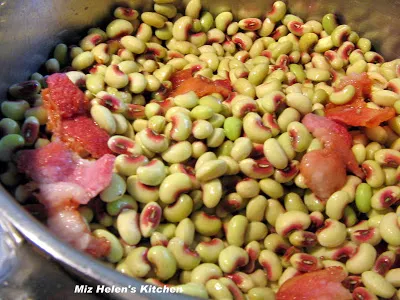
[163, 261]
[206, 224]
[211, 169]
[273, 211]
[276, 243]
[336, 204]
[393, 276]
[375, 176]
[209, 251]
[255, 231]
[186, 258]
[137, 263]
[248, 188]
[291, 220]
[275, 154]
[8, 144]
[255, 209]
[232, 258]
[185, 230]
[104, 118]
[363, 260]
[14, 110]
[212, 193]
[193, 289]
[389, 229]
[151, 174]
[293, 202]
[271, 264]
[204, 272]
[180, 210]
[117, 206]
[377, 284]
[116, 250]
[217, 120]
[236, 230]
[259, 293]
[141, 192]
[115, 190]
[333, 234]
[217, 290]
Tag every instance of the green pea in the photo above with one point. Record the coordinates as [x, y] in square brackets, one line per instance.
[329, 23]
[9, 126]
[8, 144]
[14, 109]
[363, 197]
[125, 202]
[233, 128]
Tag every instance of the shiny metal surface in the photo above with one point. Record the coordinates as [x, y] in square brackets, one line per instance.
[30, 29]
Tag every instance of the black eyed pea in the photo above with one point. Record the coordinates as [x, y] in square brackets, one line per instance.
[128, 226]
[30, 130]
[377, 284]
[185, 230]
[374, 173]
[392, 276]
[255, 209]
[273, 211]
[188, 100]
[275, 154]
[167, 10]
[119, 28]
[153, 19]
[127, 165]
[363, 260]
[312, 202]
[137, 263]
[204, 272]
[140, 192]
[255, 231]
[115, 78]
[181, 28]
[217, 290]
[95, 83]
[277, 12]
[211, 59]
[332, 234]
[180, 210]
[104, 118]
[167, 229]
[244, 87]
[336, 204]
[236, 230]
[241, 149]
[116, 250]
[233, 128]
[211, 169]
[153, 141]
[151, 174]
[124, 145]
[275, 243]
[288, 174]
[340, 34]
[293, 202]
[153, 84]
[121, 124]
[271, 101]
[206, 224]
[181, 126]
[174, 185]
[387, 157]
[232, 258]
[25, 90]
[359, 152]
[243, 281]
[258, 74]
[271, 264]
[157, 123]
[299, 102]
[216, 138]
[186, 258]
[193, 289]
[202, 129]
[385, 198]
[115, 190]
[163, 261]
[209, 251]
[137, 83]
[305, 262]
[14, 110]
[158, 239]
[125, 202]
[258, 293]
[212, 192]
[178, 152]
[223, 20]
[300, 136]
[83, 60]
[254, 128]
[8, 144]
[217, 120]
[201, 112]
[248, 188]
[389, 229]
[292, 220]
[207, 156]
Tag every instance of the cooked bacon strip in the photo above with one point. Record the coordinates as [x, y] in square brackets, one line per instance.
[67, 109]
[64, 181]
[184, 82]
[356, 112]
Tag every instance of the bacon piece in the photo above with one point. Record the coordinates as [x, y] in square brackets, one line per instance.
[184, 82]
[82, 135]
[356, 112]
[324, 172]
[318, 285]
[67, 109]
[62, 181]
[335, 137]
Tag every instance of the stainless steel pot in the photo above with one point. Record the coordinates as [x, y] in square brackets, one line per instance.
[30, 29]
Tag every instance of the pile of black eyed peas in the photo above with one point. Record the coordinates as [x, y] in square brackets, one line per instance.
[224, 222]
